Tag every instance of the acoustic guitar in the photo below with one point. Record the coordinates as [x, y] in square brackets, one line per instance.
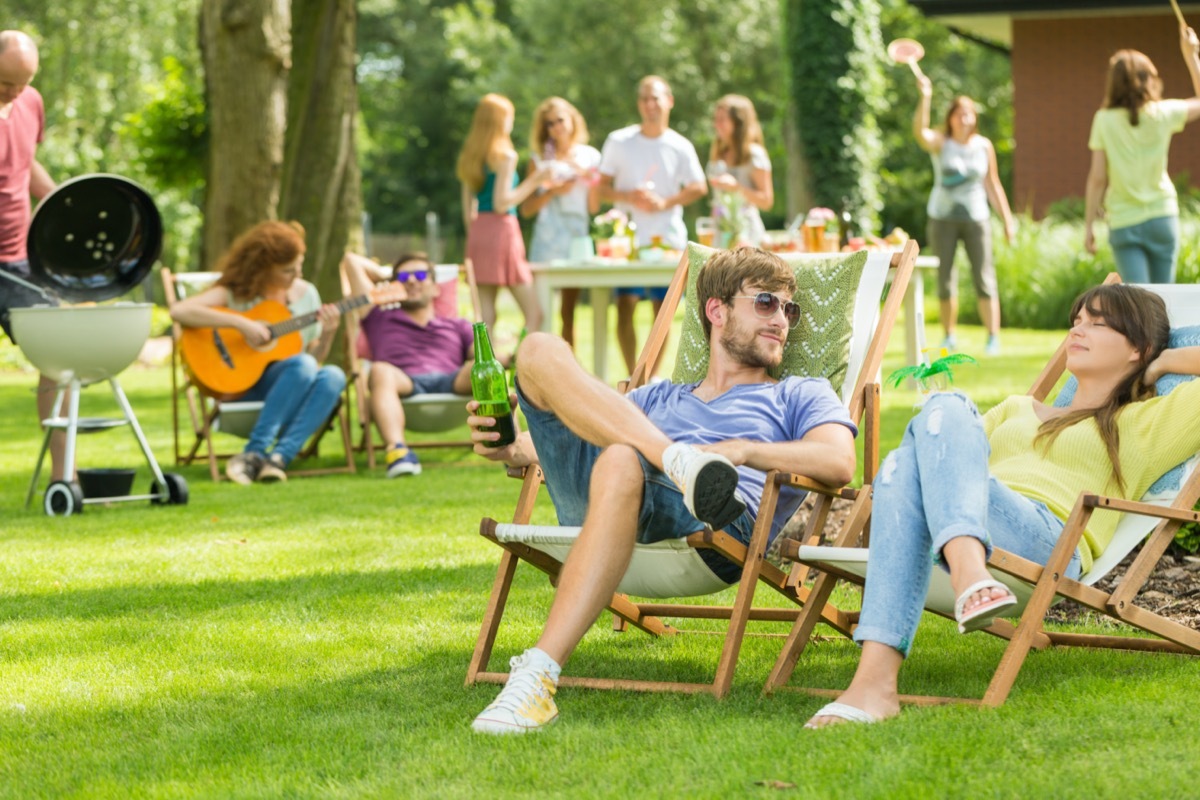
[225, 366]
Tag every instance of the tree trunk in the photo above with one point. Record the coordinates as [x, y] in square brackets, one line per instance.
[246, 47]
[320, 185]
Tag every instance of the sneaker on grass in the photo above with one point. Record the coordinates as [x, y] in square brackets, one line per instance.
[402, 461]
[273, 470]
[526, 703]
[243, 468]
[708, 482]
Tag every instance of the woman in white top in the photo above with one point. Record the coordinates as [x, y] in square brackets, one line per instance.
[965, 180]
[1129, 141]
[565, 204]
[739, 163]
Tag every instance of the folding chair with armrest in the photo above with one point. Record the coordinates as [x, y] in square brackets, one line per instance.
[1152, 523]
[426, 413]
[673, 568]
[207, 415]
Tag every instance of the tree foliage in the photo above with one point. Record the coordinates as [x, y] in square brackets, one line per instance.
[835, 53]
[425, 65]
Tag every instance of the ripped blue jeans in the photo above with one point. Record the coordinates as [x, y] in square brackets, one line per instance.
[934, 487]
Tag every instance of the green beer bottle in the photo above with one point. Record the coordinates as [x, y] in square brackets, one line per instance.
[489, 386]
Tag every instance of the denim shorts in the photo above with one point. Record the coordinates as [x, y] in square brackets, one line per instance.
[567, 462]
[15, 295]
[433, 383]
[657, 293]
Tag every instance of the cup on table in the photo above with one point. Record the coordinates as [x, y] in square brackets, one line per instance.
[619, 247]
[706, 231]
[581, 249]
[604, 248]
[814, 236]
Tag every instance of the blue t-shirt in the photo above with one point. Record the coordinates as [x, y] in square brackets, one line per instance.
[763, 412]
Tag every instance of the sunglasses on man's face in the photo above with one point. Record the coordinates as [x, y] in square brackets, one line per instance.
[766, 305]
[404, 276]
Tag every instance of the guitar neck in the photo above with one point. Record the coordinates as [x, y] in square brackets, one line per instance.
[304, 320]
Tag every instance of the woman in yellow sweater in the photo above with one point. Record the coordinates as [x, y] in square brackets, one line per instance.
[959, 484]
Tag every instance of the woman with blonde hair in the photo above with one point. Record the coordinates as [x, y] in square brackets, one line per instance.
[487, 169]
[1129, 141]
[565, 203]
[298, 394]
[738, 163]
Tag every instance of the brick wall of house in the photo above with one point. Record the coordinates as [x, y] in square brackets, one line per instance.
[1059, 68]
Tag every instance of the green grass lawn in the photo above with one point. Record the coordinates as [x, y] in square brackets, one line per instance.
[310, 640]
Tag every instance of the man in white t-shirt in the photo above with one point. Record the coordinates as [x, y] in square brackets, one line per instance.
[650, 172]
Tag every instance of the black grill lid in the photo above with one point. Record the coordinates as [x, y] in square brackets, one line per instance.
[95, 237]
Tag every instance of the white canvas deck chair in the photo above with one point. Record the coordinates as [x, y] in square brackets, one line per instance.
[673, 568]
[205, 416]
[425, 413]
[1151, 523]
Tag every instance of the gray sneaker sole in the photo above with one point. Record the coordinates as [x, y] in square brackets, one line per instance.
[713, 499]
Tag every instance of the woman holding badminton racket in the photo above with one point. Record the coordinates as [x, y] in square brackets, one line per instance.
[965, 181]
[1128, 177]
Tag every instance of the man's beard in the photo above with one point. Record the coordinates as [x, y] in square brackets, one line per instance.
[746, 348]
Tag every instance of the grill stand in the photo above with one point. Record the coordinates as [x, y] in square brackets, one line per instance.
[64, 498]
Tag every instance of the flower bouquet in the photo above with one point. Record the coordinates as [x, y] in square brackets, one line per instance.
[609, 224]
[729, 213]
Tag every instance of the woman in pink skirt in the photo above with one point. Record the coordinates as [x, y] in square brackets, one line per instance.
[487, 169]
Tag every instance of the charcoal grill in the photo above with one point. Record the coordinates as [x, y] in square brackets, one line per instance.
[92, 239]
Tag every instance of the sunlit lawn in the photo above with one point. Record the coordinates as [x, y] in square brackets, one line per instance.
[311, 639]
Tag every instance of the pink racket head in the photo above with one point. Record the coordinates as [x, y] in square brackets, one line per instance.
[905, 51]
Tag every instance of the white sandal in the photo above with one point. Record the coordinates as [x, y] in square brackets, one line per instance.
[842, 711]
[982, 615]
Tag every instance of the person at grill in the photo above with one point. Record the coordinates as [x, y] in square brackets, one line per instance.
[665, 460]
[298, 394]
[22, 127]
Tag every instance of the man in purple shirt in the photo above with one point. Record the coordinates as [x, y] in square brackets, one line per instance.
[413, 350]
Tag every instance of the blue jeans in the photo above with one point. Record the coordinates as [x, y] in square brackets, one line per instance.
[1146, 252]
[567, 462]
[934, 487]
[298, 396]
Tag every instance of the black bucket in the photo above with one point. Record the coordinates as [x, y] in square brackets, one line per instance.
[95, 237]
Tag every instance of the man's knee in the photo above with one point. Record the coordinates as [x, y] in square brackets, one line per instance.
[618, 470]
[535, 351]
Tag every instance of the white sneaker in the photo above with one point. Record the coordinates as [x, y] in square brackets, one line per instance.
[526, 703]
[708, 482]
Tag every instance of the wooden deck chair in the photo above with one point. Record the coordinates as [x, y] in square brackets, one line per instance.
[673, 568]
[203, 415]
[426, 413]
[1151, 523]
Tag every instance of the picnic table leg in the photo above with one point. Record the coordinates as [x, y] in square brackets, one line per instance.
[545, 299]
[601, 297]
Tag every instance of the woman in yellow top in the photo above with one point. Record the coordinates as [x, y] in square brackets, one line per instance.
[960, 484]
[1129, 141]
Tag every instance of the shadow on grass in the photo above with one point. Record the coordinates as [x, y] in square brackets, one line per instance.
[196, 599]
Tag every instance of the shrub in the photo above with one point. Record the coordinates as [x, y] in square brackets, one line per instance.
[1046, 268]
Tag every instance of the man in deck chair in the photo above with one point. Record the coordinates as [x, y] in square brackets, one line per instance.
[413, 350]
[665, 460]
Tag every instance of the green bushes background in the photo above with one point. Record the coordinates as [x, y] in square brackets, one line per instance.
[1046, 268]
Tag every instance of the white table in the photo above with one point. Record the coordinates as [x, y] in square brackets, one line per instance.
[602, 275]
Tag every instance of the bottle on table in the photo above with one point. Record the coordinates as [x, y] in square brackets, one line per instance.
[489, 386]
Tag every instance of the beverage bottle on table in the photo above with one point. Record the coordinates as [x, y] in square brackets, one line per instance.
[489, 386]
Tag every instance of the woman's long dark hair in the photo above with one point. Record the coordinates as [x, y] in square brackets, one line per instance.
[1141, 317]
[1132, 82]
